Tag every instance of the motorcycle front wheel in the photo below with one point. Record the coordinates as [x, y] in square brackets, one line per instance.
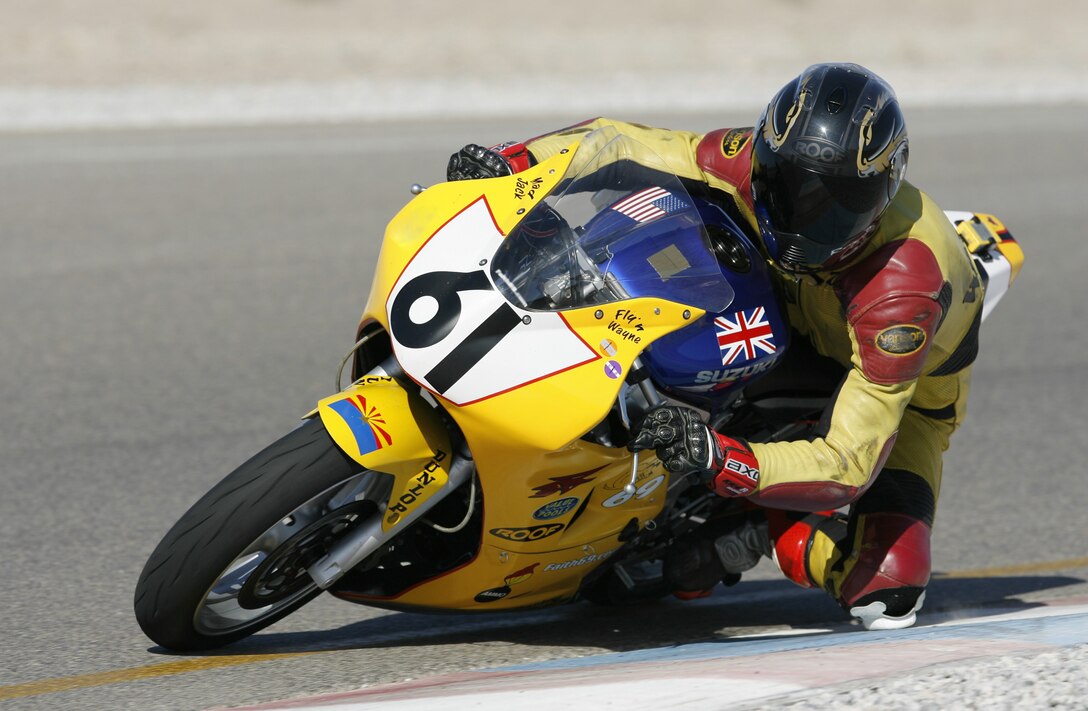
[236, 561]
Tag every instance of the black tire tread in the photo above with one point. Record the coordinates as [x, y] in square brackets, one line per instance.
[213, 531]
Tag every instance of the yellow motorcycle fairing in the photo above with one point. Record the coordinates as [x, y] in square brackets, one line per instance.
[385, 428]
[539, 543]
[554, 505]
[508, 200]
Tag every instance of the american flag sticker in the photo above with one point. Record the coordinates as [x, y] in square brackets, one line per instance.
[649, 204]
[743, 334]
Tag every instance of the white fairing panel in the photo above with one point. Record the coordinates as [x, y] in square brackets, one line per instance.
[492, 346]
[991, 262]
[1000, 272]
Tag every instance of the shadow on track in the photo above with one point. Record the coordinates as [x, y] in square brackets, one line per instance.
[763, 607]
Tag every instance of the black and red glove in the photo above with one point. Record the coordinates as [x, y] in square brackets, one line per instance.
[685, 444]
[474, 162]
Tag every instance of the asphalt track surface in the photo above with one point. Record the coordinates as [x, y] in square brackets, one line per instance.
[171, 301]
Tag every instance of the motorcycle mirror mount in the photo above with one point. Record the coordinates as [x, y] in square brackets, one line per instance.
[625, 418]
[630, 488]
[417, 188]
[654, 399]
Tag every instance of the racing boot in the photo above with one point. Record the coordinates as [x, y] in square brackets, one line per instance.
[875, 615]
[882, 577]
[885, 582]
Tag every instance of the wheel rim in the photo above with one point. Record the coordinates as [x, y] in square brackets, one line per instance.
[269, 575]
[282, 574]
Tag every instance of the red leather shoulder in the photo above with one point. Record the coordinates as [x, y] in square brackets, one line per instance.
[891, 302]
[727, 154]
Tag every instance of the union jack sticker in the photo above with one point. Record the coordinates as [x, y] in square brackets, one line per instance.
[743, 335]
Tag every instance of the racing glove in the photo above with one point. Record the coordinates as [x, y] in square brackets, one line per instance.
[685, 444]
[473, 162]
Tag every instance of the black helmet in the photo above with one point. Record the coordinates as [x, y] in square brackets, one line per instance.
[830, 152]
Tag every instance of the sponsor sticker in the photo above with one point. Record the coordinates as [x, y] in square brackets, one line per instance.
[734, 140]
[818, 151]
[627, 325]
[493, 594]
[613, 369]
[731, 375]
[743, 468]
[527, 534]
[563, 484]
[498, 593]
[646, 469]
[608, 347]
[641, 492]
[584, 560]
[417, 487]
[527, 188]
[901, 340]
[555, 509]
[520, 576]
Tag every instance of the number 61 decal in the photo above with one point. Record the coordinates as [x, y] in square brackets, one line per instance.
[444, 288]
[454, 332]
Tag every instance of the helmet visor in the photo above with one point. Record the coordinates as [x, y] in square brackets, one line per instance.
[828, 210]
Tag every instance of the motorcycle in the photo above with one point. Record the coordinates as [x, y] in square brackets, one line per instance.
[515, 329]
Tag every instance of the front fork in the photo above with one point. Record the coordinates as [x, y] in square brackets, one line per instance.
[368, 538]
[361, 542]
[387, 426]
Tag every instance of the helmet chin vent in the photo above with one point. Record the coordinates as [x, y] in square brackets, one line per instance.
[792, 256]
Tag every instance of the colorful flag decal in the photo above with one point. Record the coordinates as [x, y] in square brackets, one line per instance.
[365, 423]
[740, 336]
[649, 204]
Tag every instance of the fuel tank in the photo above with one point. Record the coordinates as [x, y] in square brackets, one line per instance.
[710, 361]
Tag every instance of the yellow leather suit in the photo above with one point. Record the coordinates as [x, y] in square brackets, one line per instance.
[901, 317]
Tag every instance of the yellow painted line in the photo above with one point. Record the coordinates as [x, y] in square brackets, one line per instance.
[184, 666]
[1049, 566]
[152, 671]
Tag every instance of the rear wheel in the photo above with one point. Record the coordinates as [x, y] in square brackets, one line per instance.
[236, 561]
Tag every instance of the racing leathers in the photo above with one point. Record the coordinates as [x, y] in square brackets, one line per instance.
[901, 317]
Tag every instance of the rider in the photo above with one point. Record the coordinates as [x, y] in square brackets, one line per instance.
[873, 276]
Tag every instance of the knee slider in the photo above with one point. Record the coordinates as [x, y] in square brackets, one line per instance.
[892, 563]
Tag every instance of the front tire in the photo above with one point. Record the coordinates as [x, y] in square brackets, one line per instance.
[236, 561]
